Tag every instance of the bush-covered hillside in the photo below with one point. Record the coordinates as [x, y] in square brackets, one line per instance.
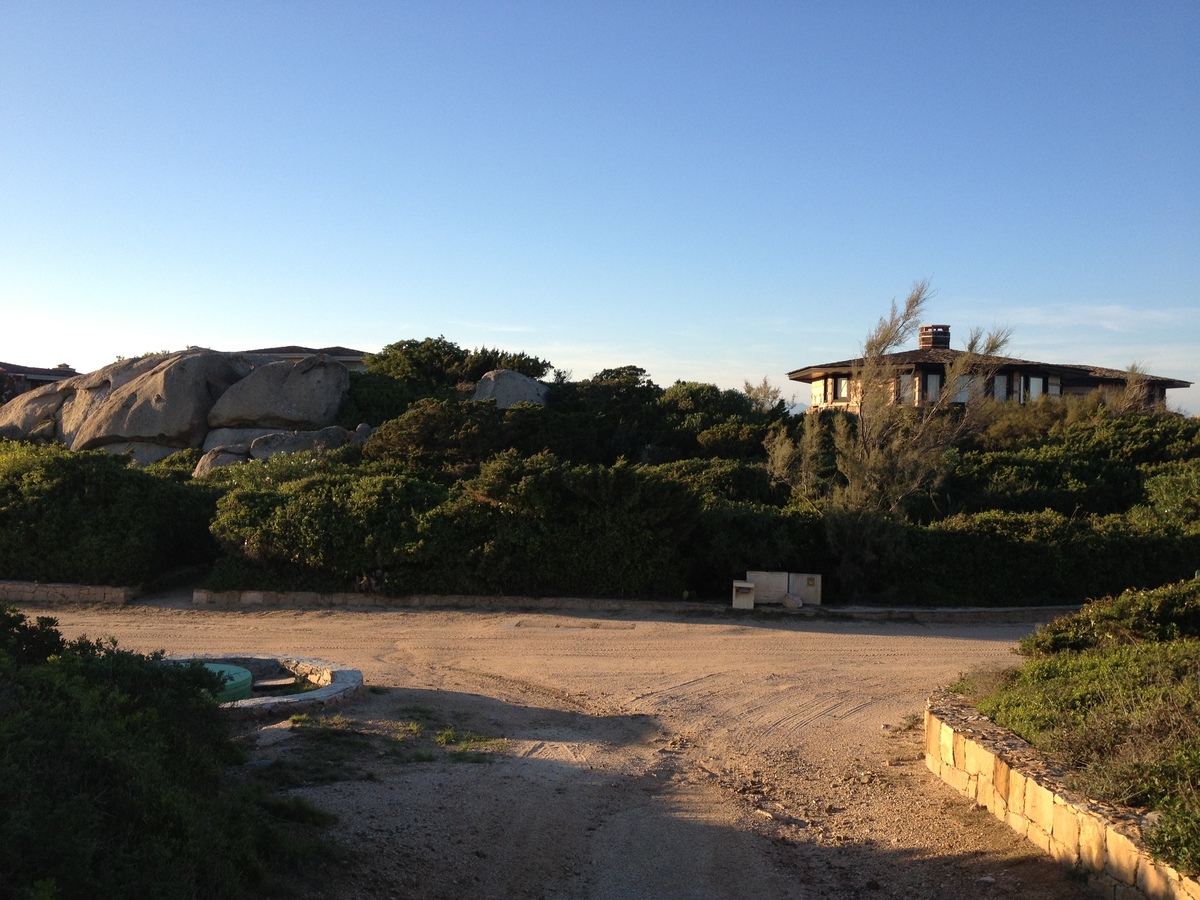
[619, 487]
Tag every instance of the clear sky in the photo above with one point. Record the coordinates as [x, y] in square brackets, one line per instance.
[713, 191]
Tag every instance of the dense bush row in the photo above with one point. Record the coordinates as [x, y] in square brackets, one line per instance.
[522, 524]
[1114, 692]
[91, 518]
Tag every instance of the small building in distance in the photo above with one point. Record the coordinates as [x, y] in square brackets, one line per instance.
[17, 379]
[921, 376]
[348, 357]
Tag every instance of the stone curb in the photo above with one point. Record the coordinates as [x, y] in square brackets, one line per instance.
[316, 600]
[52, 592]
[1002, 773]
[338, 684]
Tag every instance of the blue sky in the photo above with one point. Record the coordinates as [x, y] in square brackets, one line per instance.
[713, 191]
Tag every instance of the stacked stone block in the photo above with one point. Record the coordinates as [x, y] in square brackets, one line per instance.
[37, 592]
[1003, 774]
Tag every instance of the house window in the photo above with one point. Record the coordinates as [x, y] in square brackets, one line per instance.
[933, 386]
[1037, 387]
[841, 387]
[966, 384]
[1000, 387]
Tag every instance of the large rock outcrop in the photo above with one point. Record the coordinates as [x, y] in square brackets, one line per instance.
[152, 406]
[167, 404]
[509, 388]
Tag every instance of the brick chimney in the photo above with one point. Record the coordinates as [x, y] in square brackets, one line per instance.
[935, 337]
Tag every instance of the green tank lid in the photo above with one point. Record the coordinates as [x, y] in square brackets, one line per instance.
[237, 681]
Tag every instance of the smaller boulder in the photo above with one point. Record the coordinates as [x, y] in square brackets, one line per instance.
[509, 388]
[298, 441]
[225, 437]
[143, 453]
[284, 395]
[221, 456]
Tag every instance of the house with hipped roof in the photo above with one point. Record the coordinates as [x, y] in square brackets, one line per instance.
[921, 375]
[17, 379]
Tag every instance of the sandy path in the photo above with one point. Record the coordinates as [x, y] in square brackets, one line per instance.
[647, 756]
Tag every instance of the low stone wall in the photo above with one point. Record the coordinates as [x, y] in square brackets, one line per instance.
[312, 599]
[1004, 774]
[37, 592]
[337, 684]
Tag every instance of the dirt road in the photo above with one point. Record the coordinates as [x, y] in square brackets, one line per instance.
[644, 756]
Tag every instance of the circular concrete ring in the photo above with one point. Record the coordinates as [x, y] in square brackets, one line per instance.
[335, 683]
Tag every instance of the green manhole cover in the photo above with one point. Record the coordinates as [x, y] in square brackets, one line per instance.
[237, 681]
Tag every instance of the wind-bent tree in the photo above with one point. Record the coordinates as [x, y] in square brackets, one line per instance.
[886, 452]
[890, 452]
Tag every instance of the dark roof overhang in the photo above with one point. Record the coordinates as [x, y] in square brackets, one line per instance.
[1072, 375]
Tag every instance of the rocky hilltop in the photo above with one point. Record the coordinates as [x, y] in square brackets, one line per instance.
[235, 406]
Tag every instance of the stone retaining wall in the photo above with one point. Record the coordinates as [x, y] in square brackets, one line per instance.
[1004, 774]
[37, 592]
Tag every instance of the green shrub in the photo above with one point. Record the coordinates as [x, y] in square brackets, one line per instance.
[1173, 493]
[269, 474]
[1136, 438]
[90, 518]
[725, 479]
[178, 466]
[522, 525]
[374, 398]
[734, 536]
[734, 438]
[439, 435]
[1067, 479]
[1162, 614]
[618, 411]
[530, 429]
[1113, 692]
[435, 363]
[539, 526]
[112, 779]
[345, 527]
[1001, 558]
[1127, 720]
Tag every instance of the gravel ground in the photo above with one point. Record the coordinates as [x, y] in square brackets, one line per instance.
[617, 755]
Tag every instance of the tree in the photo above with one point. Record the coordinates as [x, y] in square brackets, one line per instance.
[764, 397]
[886, 453]
[428, 363]
[1134, 395]
[804, 457]
[436, 364]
